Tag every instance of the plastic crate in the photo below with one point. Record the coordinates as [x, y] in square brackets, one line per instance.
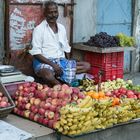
[105, 60]
[110, 74]
[5, 111]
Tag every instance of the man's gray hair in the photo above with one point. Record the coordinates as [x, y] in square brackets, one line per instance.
[46, 4]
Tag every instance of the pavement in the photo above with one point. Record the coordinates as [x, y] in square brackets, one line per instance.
[135, 77]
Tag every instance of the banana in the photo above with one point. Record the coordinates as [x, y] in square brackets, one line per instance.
[84, 102]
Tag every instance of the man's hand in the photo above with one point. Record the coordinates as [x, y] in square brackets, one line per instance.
[58, 71]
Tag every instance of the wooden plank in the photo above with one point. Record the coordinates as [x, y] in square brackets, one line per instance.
[97, 49]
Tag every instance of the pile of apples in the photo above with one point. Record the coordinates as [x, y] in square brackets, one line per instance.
[4, 102]
[124, 93]
[41, 103]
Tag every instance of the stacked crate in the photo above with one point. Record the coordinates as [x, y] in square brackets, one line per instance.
[111, 65]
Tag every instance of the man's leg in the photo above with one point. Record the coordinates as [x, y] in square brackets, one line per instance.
[48, 76]
[82, 67]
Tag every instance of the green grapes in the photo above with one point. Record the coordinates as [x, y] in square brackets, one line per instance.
[125, 41]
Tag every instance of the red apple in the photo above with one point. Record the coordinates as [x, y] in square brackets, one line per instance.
[15, 110]
[49, 92]
[20, 87]
[138, 96]
[40, 119]
[54, 94]
[27, 84]
[74, 97]
[28, 106]
[108, 94]
[81, 95]
[34, 109]
[36, 117]
[64, 103]
[31, 116]
[61, 94]
[46, 113]
[4, 98]
[32, 89]
[37, 101]
[42, 95]
[54, 102]
[42, 104]
[45, 121]
[53, 108]
[41, 111]
[50, 123]
[48, 100]
[3, 104]
[75, 90]
[47, 105]
[34, 84]
[32, 100]
[69, 90]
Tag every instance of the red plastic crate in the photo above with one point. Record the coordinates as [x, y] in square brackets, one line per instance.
[110, 74]
[105, 60]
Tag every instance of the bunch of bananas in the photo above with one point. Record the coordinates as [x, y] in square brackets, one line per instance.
[87, 84]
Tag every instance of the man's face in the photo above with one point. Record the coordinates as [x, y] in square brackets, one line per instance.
[51, 13]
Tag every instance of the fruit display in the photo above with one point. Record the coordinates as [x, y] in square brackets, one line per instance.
[115, 84]
[40, 103]
[4, 101]
[103, 40]
[125, 41]
[78, 110]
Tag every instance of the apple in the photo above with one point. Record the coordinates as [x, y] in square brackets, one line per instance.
[59, 101]
[34, 109]
[47, 105]
[36, 117]
[39, 86]
[20, 87]
[69, 90]
[54, 102]
[4, 98]
[74, 97]
[42, 104]
[53, 108]
[54, 94]
[58, 108]
[57, 87]
[67, 97]
[56, 116]
[3, 104]
[46, 113]
[49, 92]
[32, 89]
[138, 96]
[64, 87]
[27, 84]
[31, 116]
[64, 103]
[37, 101]
[41, 111]
[26, 89]
[75, 90]
[32, 100]
[17, 93]
[40, 119]
[61, 94]
[81, 95]
[26, 113]
[1, 94]
[25, 100]
[28, 106]
[15, 110]
[50, 123]
[31, 94]
[0, 98]
[48, 100]
[108, 93]
[42, 95]
[45, 121]
[34, 84]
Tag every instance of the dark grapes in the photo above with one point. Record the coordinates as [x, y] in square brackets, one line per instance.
[103, 40]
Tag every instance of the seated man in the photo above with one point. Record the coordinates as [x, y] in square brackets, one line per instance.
[50, 47]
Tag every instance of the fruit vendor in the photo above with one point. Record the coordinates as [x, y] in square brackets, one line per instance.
[51, 50]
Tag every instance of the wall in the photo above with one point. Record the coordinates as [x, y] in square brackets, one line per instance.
[1, 30]
[136, 34]
[84, 20]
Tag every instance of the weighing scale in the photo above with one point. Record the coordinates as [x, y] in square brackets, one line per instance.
[9, 74]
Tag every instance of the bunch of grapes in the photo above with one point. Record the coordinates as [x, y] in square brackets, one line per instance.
[103, 40]
[125, 41]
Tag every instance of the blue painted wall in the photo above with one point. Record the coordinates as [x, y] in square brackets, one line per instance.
[115, 16]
